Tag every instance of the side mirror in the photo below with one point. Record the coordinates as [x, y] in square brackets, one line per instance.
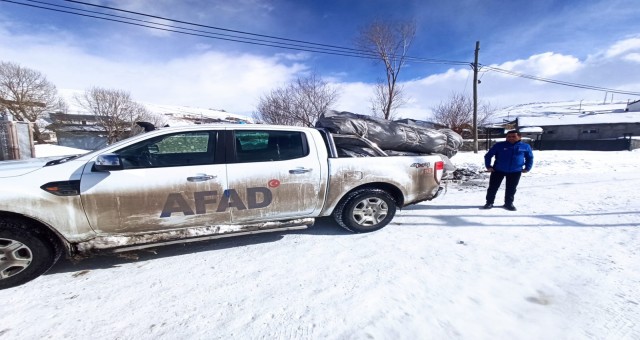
[107, 162]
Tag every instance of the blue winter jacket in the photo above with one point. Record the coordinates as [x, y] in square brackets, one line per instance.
[510, 157]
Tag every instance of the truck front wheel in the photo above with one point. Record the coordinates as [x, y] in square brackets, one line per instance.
[365, 210]
[24, 253]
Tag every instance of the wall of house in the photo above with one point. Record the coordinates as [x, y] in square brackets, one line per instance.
[82, 140]
[589, 131]
[484, 145]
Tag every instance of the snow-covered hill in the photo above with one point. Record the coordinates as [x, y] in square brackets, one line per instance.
[185, 115]
[566, 113]
[565, 109]
[173, 115]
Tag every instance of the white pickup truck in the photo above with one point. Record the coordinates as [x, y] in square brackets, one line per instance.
[183, 184]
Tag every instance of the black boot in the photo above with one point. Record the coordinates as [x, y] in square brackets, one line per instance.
[510, 207]
[487, 206]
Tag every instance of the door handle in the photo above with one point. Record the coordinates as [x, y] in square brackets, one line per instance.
[299, 170]
[200, 178]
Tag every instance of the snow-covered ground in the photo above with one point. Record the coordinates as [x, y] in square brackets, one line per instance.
[51, 150]
[566, 265]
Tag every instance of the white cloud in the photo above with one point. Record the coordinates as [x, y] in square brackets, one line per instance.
[622, 47]
[544, 65]
[450, 75]
[503, 90]
[633, 57]
[354, 97]
[300, 56]
[233, 82]
[161, 27]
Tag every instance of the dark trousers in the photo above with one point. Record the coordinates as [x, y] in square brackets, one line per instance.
[513, 178]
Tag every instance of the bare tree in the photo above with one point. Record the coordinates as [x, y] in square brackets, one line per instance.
[147, 116]
[485, 113]
[27, 95]
[300, 103]
[381, 99]
[389, 42]
[457, 113]
[115, 111]
[276, 108]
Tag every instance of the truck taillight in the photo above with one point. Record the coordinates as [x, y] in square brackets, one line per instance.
[439, 170]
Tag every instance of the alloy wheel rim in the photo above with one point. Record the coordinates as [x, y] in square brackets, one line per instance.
[15, 257]
[370, 211]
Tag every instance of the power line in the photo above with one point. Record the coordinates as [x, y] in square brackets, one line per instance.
[560, 82]
[299, 45]
[276, 42]
[207, 35]
[420, 59]
[367, 53]
[204, 26]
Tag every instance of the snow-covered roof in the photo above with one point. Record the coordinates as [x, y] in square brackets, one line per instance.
[581, 118]
[531, 129]
[566, 113]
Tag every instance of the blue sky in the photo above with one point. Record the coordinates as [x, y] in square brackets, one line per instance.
[590, 42]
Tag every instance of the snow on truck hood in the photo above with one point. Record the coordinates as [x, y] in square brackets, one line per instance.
[21, 167]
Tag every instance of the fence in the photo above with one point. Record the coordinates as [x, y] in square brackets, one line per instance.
[16, 140]
[593, 145]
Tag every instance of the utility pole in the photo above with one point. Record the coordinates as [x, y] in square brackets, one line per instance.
[475, 99]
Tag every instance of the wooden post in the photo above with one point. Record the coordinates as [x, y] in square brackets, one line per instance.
[475, 99]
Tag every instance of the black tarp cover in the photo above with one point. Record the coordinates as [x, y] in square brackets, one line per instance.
[391, 135]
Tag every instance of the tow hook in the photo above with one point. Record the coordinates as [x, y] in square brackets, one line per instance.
[440, 190]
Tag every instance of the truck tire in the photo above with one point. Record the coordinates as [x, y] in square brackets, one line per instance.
[365, 210]
[25, 253]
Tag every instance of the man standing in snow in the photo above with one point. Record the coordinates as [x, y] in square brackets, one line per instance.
[513, 157]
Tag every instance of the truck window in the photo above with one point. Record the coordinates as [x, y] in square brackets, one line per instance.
[265, 146]
[179, 149]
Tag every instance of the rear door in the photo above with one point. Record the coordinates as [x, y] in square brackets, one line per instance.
[272, 174]
[169, 181]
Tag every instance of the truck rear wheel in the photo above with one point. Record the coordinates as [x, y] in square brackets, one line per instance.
[365, 210]
[24, 254]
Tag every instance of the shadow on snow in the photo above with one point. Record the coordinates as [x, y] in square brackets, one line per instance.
[106, 259]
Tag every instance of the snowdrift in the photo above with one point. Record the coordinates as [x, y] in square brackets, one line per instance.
[396, 136]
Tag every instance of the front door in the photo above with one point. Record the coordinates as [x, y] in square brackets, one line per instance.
[169, 181]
